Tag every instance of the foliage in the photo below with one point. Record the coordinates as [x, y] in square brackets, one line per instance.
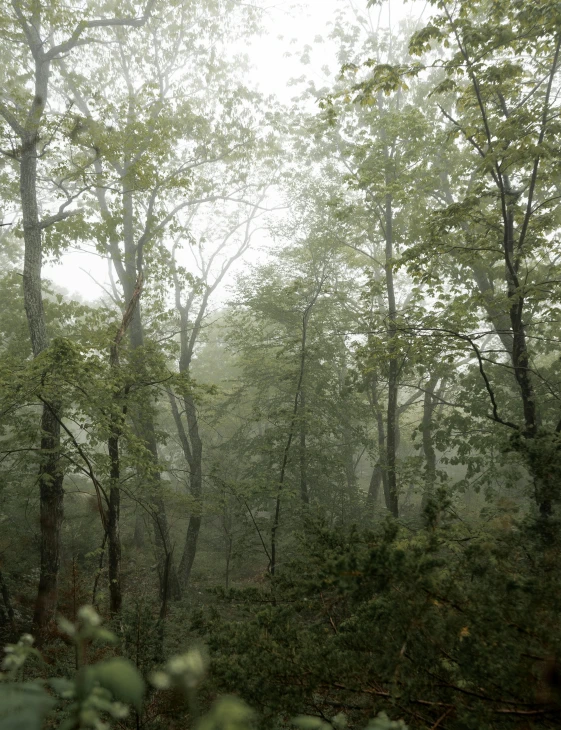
[455, 621]
[100, 692]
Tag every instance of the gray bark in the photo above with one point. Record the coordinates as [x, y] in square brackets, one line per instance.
[51, 493]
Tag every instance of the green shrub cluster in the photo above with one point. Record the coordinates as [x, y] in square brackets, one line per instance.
[454, 626]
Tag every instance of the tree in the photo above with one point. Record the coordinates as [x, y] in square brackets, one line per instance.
[502, 110]
[171, 151]
[36, 39]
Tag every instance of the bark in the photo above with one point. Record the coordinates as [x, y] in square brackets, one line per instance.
[196, 488]
[429, 452]
[348, 449]
[375, 483]
[7, 601]
[393, 368]
[190, 438]
[118, 415]
[379, 473]
[499, 319]
[304, 496]
[51, 493]
[99, 569]
[113, 518]
[190, 549]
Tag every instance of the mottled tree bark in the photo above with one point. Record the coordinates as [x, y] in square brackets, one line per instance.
[51, 493]
[393, 368]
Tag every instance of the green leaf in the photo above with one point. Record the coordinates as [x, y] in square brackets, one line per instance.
[305, 722]
[383, 722]
[121, 678]
[63, 687]
[24, 706]
[228, 713]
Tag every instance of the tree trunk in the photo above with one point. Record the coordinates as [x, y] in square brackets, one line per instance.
[5, 593]
[196, 489]
[379, 473]
[393, 368]
[113, 518]
[297, 404]
[128, 274]
[51, 493]
[118, 415]
[375, 483]
[428, 446]
[303, 450]
[114, 565]
[190, 548]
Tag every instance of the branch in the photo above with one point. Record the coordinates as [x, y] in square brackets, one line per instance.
[75, 38]
[469, 340]
[541, 137]
[11, 119]
[89, 471]
[57, 217]
[127, 316]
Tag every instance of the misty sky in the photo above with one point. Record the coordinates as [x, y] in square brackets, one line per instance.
[275, 56]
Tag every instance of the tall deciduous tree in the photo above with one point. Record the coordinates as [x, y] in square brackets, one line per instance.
[34, 39]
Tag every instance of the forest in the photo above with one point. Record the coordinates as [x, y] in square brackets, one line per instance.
[280, 366]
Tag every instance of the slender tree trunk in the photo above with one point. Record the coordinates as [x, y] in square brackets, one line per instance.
[393, 368]
[5, 593]
[348, 448]
[118, 415]
[303, 449]
[128, 271]
[428, 445]
[114, 565]
[190, 548]
[98, 571]
[113, 517]
[379, 473]
[196, 488]
[286, 451]
[496, 314]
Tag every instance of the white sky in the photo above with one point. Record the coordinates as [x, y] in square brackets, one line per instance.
[289, 26]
